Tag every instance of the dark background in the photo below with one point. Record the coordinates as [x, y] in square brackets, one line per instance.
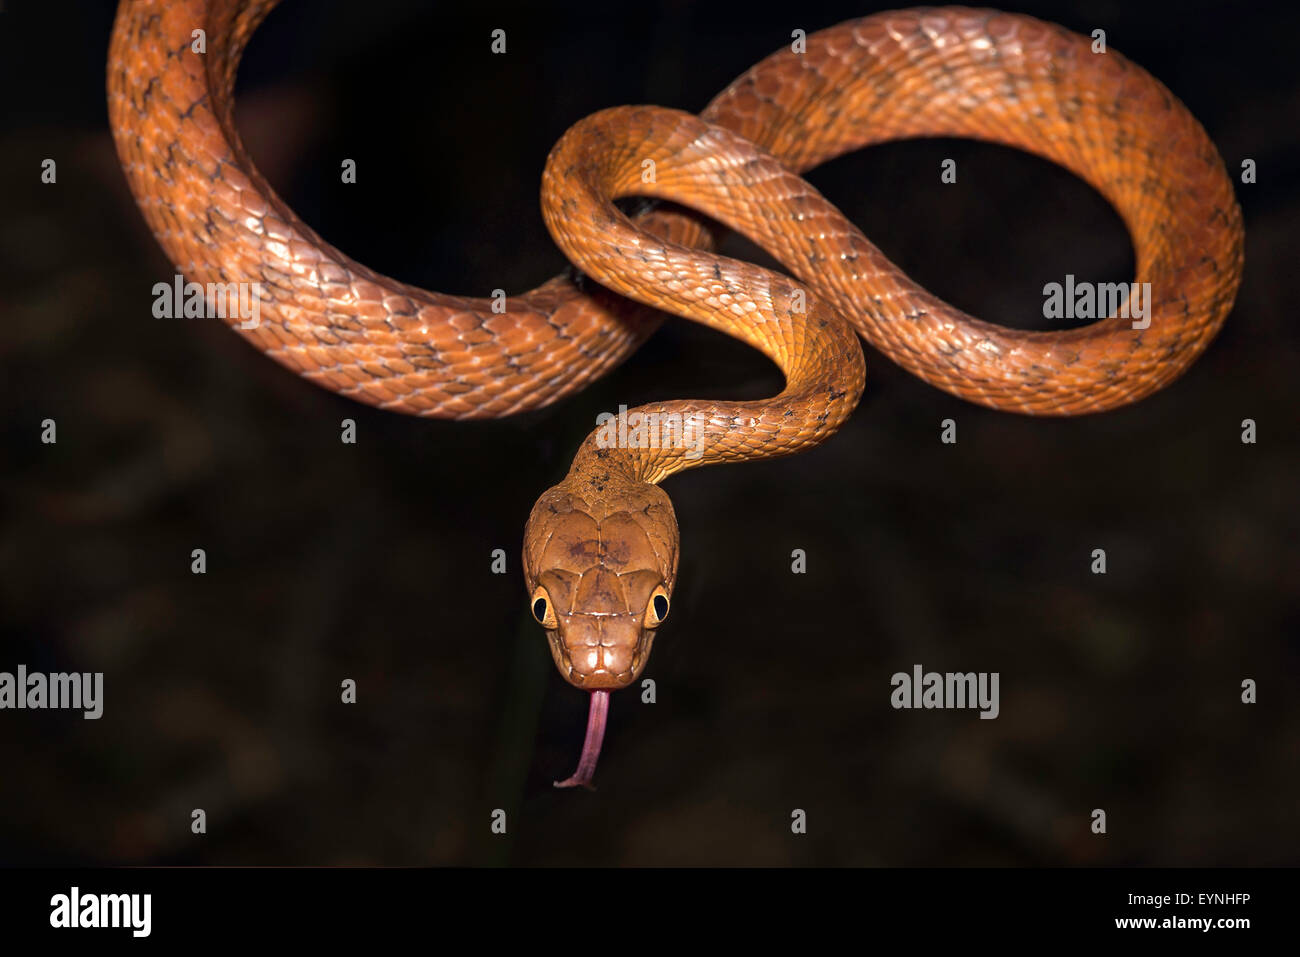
[371, 561]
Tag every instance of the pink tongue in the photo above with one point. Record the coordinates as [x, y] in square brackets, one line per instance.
[596, 716]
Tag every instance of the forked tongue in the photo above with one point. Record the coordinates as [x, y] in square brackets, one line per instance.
[596, 716]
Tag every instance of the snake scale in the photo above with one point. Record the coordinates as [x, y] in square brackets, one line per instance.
[601, 548]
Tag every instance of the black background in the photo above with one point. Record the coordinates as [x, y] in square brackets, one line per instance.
[371, 561]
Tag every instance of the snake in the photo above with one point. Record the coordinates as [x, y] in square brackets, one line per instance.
[637, 198]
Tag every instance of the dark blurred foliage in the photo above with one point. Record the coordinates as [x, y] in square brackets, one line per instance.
[371, 561]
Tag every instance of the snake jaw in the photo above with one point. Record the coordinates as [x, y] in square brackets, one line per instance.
[597, 675]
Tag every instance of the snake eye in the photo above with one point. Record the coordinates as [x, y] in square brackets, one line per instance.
[657, 610]
[542, 609]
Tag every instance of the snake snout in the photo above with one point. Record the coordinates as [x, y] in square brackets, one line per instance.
[600, 652]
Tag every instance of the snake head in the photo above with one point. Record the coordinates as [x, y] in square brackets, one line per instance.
[600, 563]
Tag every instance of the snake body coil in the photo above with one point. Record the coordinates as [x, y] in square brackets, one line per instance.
[600, 549]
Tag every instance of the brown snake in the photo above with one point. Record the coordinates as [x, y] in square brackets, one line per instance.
[600, 548]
